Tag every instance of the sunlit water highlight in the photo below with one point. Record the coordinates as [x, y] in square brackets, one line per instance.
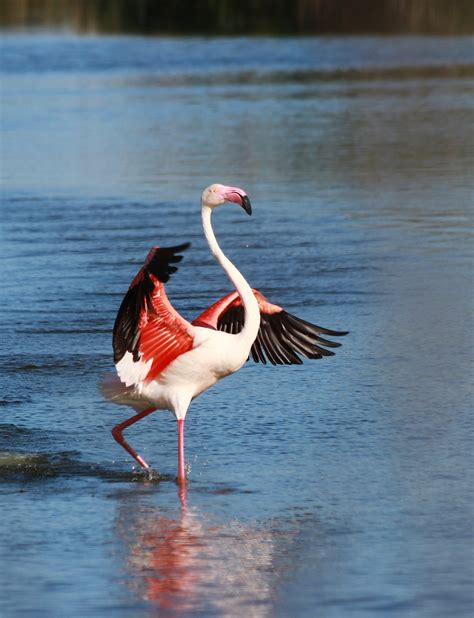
[342, 487]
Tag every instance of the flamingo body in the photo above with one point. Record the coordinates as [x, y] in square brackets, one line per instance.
[214, 356]
[163, 361]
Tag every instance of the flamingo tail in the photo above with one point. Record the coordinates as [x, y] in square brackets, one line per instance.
[117, 392]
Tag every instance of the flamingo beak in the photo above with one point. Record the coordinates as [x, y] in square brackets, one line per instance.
[246, 205]
[233, 194]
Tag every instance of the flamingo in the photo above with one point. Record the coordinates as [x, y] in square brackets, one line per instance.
[163, 361]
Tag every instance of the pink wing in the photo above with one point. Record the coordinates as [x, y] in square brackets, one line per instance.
[281, 337]
[210, 317]
[149, 333]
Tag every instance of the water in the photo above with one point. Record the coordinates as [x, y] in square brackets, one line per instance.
[341, 487]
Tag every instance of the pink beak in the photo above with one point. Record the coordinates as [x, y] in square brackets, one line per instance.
[238, 196]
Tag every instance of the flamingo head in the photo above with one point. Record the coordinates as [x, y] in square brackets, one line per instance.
[216, 195]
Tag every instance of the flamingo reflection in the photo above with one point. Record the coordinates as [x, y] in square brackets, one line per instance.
[192, 562]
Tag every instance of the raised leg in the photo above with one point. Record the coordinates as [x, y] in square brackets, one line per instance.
[117, 434]
[181, 472]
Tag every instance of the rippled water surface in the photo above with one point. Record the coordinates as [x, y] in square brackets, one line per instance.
[341, 487]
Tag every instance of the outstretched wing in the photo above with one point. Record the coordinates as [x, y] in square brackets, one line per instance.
[149, 333]
[282, 337]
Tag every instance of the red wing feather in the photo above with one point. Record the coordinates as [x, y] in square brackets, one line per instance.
[148, 327]
[166, 335]
[211, 316]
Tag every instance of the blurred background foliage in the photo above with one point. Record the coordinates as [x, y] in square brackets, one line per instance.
[243, 16]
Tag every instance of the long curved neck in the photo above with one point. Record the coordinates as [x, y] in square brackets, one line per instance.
[252, 311]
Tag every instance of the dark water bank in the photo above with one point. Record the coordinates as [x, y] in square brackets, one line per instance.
[243, 16]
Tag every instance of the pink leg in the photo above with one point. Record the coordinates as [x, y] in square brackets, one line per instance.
[117, 434]
[181, 472]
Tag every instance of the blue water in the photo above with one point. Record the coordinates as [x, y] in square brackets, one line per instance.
[339, 488]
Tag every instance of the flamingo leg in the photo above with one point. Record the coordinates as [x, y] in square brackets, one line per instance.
[181, 472]
[117, 434]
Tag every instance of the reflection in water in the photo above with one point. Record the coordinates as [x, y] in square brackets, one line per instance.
[192, 561]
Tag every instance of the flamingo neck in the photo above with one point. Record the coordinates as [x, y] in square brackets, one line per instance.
[252, 311]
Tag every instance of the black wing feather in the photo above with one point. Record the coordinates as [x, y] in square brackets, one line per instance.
[160, 262]
[282, 337]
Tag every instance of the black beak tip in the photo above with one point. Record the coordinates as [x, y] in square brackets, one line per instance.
[246, 205]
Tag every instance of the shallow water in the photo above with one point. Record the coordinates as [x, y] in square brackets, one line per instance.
[341, 487]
